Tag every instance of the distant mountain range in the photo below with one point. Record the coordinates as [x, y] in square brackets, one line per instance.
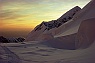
[11, 40]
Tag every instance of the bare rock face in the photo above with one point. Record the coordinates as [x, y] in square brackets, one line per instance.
[86, 33]
[20, 39]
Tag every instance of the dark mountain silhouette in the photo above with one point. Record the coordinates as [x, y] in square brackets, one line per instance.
[11, 40]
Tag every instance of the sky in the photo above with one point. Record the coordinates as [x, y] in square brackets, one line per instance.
[19, 17]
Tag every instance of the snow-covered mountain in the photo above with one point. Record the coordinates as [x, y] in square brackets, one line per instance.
[68, 30]
[46, 27]
[72, 26]
[79, 32]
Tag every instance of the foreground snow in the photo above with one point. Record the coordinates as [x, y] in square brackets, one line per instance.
[30, 52]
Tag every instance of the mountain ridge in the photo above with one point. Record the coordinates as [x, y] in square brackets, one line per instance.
[45, 27]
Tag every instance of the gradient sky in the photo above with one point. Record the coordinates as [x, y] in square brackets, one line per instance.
[23, 15]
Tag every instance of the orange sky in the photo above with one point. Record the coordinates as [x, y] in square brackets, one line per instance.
[24, 15]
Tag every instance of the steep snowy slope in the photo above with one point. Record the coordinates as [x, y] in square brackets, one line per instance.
[33, 35]
[70, 13]
[72, 26]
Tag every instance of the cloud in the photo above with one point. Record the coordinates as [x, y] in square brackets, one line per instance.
[12, 11]
[8, 14]
[19, 1]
